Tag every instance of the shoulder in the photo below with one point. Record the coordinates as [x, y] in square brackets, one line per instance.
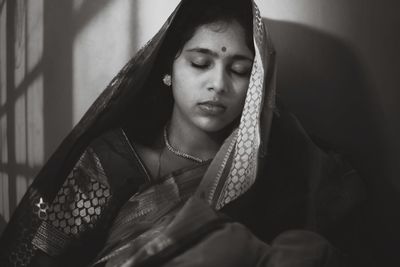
[102, 179]
[113, 151]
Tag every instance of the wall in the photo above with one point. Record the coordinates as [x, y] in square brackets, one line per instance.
[337, 71]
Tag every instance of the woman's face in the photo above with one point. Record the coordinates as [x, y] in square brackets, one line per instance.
[211, 75]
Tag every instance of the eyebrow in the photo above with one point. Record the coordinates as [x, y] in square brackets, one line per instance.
[215, 54]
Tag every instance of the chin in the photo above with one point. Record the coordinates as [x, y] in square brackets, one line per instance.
[214, 125]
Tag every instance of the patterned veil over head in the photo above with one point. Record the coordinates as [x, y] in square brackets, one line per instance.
[232, 172]
[234, 169]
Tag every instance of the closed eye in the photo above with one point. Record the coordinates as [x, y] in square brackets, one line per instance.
[202, 65]
[241, 71]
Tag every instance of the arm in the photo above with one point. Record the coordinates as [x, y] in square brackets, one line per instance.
[72, 226]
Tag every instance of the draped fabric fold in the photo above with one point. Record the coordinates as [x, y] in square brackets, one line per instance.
[95, 187]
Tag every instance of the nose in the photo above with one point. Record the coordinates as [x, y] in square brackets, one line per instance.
[218, 81]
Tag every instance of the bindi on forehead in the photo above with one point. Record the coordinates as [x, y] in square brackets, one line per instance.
[223, 49]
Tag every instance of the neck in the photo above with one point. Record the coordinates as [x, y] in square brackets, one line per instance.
[190, 139]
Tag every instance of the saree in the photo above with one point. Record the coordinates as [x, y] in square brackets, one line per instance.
[75, 204]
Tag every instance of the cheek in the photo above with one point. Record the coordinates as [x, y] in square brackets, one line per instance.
[240, 98]
[181, 93]
[184, 84]
[241, 91]
[180, 68]
[180, 77]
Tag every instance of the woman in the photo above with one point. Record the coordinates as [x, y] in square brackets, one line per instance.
[189, 126]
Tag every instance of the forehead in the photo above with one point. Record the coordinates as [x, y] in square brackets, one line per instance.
[220, 34]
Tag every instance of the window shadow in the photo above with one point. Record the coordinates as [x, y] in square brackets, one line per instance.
[2, 3]
[61, 25]
[87, 11]
[9, 106]
[58, 36]
[3, 224]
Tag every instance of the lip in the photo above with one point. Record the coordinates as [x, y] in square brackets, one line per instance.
[212, 107]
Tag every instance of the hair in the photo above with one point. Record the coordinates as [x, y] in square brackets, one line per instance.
[204, 12]
[158, 100]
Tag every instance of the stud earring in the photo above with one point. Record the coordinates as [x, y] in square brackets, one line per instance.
[167, 80]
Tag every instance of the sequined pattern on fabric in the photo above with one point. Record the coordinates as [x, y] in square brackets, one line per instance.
[244, 166]
[21, 246]
[79, 201]
[74, 209]
[50, 240]
[24, 251]
[23, 254]
[77, 205]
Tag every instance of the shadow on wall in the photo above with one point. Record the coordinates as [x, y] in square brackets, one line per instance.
[57, 72]
[52, 97]
[61, 25]
[44, 88]
[321, 80]
[3, 224]
[57, 27]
